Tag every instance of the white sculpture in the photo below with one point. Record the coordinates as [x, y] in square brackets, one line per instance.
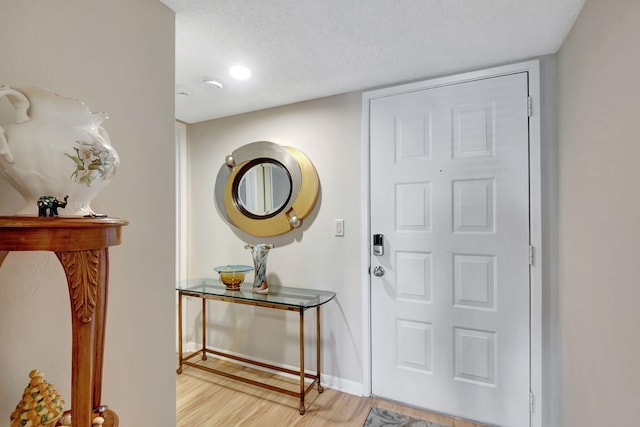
[54, 146]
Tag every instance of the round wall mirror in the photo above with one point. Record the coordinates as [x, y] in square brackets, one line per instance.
[263, 189]
[266, 189]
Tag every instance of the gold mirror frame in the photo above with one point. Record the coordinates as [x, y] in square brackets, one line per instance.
[305, 187]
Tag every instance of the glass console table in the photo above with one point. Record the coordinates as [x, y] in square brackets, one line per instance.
[290, 299]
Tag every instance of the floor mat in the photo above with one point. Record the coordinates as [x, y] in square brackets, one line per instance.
[382, 418]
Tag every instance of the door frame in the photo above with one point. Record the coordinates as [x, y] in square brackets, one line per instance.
[535, 214]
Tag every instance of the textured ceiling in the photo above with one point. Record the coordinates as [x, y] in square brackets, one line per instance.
[305, 49]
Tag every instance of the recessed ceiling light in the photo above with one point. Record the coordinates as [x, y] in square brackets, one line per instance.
[240, 72]
[212, 82]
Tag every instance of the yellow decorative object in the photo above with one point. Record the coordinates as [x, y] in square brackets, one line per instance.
[310, 185]
[232, 275]
[41, 405]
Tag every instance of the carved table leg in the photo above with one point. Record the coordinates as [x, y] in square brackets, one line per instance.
[86, 273]
[100, 323]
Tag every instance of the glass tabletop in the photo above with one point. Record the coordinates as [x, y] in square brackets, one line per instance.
[281, 296]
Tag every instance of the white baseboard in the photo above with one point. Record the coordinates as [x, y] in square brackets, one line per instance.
[328, 381]
[343, 385]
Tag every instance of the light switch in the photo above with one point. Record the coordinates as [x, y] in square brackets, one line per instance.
[339, 223]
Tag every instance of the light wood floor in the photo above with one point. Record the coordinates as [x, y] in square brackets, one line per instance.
[207, 400]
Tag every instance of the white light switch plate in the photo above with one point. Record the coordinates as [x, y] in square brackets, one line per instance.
[339, 227]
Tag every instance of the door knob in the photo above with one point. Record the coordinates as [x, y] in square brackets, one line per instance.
[378, 271]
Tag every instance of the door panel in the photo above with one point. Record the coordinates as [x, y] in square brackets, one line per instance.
[449, 191]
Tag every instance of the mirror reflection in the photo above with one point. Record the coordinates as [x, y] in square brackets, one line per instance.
[263, 190]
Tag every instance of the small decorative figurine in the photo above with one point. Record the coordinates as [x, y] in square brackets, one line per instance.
[52, 204]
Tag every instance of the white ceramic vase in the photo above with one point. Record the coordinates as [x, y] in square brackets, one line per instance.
[54, 146]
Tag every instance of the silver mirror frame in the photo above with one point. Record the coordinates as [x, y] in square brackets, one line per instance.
[300, 203]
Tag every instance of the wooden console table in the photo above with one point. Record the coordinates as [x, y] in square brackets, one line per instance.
[291, 299]
[82, 246]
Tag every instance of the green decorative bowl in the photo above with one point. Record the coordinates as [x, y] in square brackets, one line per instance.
[232, 275]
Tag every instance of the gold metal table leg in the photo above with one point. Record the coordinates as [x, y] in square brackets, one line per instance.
[204, 329]
[179, 370]
[318, 348]
[302, 408]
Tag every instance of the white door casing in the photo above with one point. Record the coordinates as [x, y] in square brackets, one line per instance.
[449, 179]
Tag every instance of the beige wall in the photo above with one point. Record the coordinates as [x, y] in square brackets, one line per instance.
[117, 56]
[328, 131]
[599, 237]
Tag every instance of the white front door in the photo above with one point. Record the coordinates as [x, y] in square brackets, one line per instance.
[450, 194]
